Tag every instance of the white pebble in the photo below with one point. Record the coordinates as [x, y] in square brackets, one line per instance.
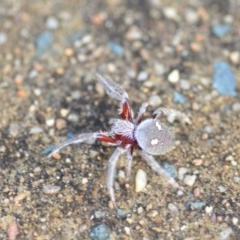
[174, 76]
[234, 57]
[37, 92]
[121, 174]
[170, 13]
[235, 220]
[184, 84]
[84, 180]
[222, 189]
[155, 101]
[50, 122]
[208, 209]
[226, 233]
[64, 112]
[127, 230]
[142, 76]
[52, 23]
[173, 208]
[35, 130]
[73, 117]
[86, 39]
[191, 16]
[3, 38]
[181, 172]
[236, 179]
[189, 180]
[236, 107]
[47, 189]
[140, 180]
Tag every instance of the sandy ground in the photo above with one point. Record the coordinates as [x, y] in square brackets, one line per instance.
[164, 52]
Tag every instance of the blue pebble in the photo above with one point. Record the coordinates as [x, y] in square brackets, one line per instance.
[43, 43]
[221, 30]
[224, 80]
[47, 150]
[197, 205]
[99, 232]
[116, 48]
[121, 213]
[170, 169]
[178, 97]
[76, 36]
[70, 135]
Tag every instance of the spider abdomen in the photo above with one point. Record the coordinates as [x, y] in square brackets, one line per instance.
[153, 137]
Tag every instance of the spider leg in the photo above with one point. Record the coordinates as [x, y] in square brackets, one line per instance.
[116, 92]
[128, 164]
[157, 113]
[83, 137]
[156, 167]
[142, 110]
[111, 171]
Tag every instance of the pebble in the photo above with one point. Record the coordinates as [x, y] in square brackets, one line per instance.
[87, 39]
[197, 205]
[236, 107]
[47, 150]
[197, 162]
[170, 169]
[235, 220]
[121, 213]
[155, 101]
[152, 213]
[52, 23]
[170, 13]
[178, 97]
[50, 190]
[208, 209]
[50, 122]
[43, 43]
[121, 174]
[234, 57]
[64, 112]
[99, 214]
[12, 231]
[127, 230]
[189, 180]
[191, 16]
[3, 38]
[224, 80]
[73, 117]
[236, 179]
[159, 69]
[60, 124]
[140, 180]
[134, 33]
[221, 30]
[196, 192]
[184, 84]
[142, 76]
[56, 156]
[13, 129]
[224, 235]
[99, 232]
[173, 208]
[37, 92]
[116, 48]
[36, 130]
[75, 94]
[181, 172]
[222, 189]
[174, 76]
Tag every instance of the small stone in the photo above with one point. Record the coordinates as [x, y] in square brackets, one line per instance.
[73, 117]
[235, 220]
[140, 210]
[222, 189]
[197, 162]
[170, 13]
[52, 23]
[196, 192]
[208, 209]
[99, 214]
[36, 130]
[229, 158]
[140, 180]
[127, 230]
[170, 169]
[224, 235]
[121, 174]
[87, 39]
[50, 122]
[134, 33]
[191, 16]
[13, 129]
[178, 97]
[159, 69]
[221, 30]
[181, 172]
[64, 112]
[189, 180]
[56, 156]
[84, 180]
[236, 107]
[69, 52]
[3, 38]
[236, 179]
[50, 190]
[76, 95]
[60, 124]
[173, 208]
[99, 232]
[37, 92]
[234, 57]
[37, 170]
[184, 84]
[142, 76]
[155, 101]
[152, 213]
[174, 76]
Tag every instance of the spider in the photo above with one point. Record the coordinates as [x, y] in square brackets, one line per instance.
[149, 136]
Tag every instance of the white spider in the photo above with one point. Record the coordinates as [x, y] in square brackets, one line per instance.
[149, 137]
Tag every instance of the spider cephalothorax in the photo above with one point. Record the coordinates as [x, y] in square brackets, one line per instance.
[149, 137]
